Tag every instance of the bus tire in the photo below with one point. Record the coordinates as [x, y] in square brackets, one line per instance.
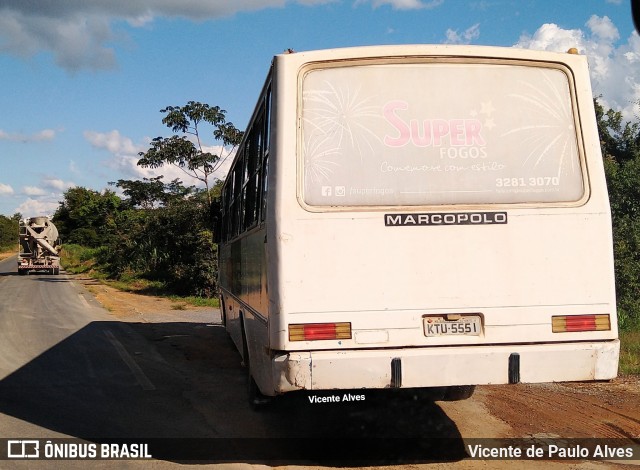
[223, 312]
[458, 392]
[257, 401]
[428, 393]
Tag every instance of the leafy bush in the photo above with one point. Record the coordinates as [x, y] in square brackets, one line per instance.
[170, 244]
[9, 232]
[85, 236]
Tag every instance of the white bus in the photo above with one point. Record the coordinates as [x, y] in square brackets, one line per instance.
[420, 216]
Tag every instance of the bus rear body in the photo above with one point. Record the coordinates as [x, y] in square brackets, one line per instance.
[425, 216]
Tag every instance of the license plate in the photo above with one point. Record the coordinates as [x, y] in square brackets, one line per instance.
[464, 326]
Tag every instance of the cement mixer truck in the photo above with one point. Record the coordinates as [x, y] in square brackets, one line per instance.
[38, 246]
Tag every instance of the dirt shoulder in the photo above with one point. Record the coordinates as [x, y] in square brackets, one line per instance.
[128, 306]
[603, 410]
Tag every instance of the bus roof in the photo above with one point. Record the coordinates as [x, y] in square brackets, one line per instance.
[439, 50]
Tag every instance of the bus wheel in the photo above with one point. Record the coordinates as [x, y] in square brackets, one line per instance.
[427, 394]
[459, 392]
[223, 311]
[257, 400]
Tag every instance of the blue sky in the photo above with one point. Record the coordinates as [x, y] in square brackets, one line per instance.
[84, 80]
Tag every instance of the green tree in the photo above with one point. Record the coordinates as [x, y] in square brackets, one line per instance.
[152, 192]
[619, 140]
[187, 151]
[146, 193]
[170, 243]
[85, 216]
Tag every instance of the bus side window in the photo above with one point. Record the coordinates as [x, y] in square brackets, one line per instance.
[264, 160]
[236, 205]
[252, 153]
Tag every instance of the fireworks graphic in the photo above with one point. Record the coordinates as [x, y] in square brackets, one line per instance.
[319, 160]
[549, 134]
[337, 123]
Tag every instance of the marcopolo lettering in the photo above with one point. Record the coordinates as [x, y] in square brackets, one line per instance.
[459, 218]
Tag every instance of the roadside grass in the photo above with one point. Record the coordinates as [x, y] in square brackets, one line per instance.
[197, 301]
[7, 251]
[77, 259]
[630, 352]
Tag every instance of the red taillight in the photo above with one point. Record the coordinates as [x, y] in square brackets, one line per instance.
[574, 323]
[319, 331]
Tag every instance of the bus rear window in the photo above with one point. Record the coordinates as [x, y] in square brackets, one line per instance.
[439, 133]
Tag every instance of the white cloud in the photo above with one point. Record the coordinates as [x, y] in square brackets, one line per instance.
[46, 134]
[5, 189]
[78, 32]
[32, 207]
[614, 67]
[43, 135]
[124, 152]
[113, 142]
[550, 37]
[33, 191]
[125, 156]
[44, 198]
[73, 167]
[481, 5]
[141, 20]
[603, 28]
[468, 35]
[57, 184]
[404, 4]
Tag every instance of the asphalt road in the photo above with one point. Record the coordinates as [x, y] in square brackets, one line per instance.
[70, 369]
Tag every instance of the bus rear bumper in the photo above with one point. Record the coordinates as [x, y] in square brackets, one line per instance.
[443, 366]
